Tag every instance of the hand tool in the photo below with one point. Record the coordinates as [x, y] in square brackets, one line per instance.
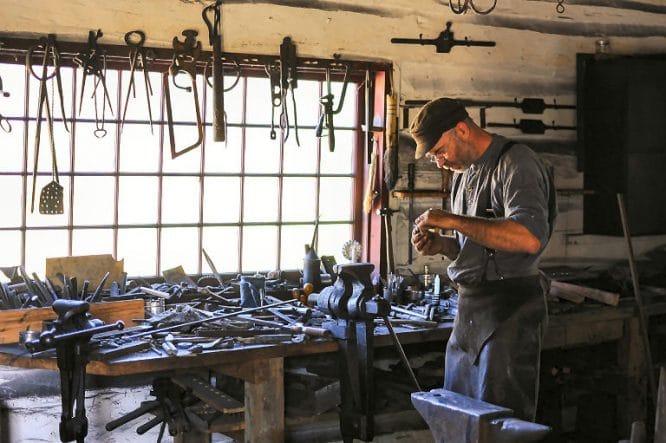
[462, 6]
[411, 176]
[215, 40]
[386, 212]
[370, 191]
[184, 60]
[93, 62]
[273, 73]
[137, 57]
[326, 118]
[210, 319]
[288, 82]
[51, 196]
[217, 275]
[98, 290]
[444, 42]
[296, 328]
[144, 408]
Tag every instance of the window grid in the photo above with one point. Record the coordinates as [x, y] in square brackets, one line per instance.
[115, 226]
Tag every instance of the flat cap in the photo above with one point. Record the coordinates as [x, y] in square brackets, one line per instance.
[433, 119]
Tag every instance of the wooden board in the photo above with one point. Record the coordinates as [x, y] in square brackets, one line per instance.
[14, 320]
[609, 298]
[85, 267]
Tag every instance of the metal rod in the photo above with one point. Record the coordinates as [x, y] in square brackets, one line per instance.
[642, 319]
[401, 353]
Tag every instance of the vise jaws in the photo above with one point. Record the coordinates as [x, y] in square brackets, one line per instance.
[353, 304]
[456, 418]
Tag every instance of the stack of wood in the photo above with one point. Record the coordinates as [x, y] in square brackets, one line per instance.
[577, 294]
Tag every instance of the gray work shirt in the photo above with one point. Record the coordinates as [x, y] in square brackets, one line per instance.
[520, 189]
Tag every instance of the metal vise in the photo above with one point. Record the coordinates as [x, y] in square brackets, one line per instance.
[354, 305]
[456, 418]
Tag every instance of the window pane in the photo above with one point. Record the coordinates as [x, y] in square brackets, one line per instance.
[10, 248]
[92, 241]
[307, 102]
[331, 238]
[190, 161]
[12, 146]
[259, 248]
[182, 101]
[335, 199]
[180, 247]
[221, 244]
[224, 156]
[347, 116]
[137, 247]
[180, 200]
[139, 149]
[93, 200]
[42, 244]
[262, 155]
[37, 219]
[260, 199]
[341, 160]
[137, 200]
[259, 102]
[299, 199]
[294, 239]
[221, 200]
[13, 81]
[11, 190]
[303, 159]
[92, 153]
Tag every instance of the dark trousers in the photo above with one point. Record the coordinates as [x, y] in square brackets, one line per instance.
[495, 347]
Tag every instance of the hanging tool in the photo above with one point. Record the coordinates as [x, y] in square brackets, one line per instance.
[51, 196]
[367, 114]
[5, 124]
[215, 40]
[185, 57]
[93, 62]
[530, 126]
[444, 42]
[411, 175]
[137, 57]
[370, 191]
[326, 118]
[288, 82]
[527, 105]
[387, 212]
[462, 6]
[273, 73]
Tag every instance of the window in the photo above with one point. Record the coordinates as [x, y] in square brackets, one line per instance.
[249, 203]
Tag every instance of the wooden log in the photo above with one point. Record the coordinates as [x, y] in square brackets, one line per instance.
[609, 298]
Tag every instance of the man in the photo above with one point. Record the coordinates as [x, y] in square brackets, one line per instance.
[502, 211]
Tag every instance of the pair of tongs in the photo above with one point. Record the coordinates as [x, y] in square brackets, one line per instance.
[185, 57]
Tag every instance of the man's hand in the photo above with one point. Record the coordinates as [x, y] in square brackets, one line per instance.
[425, 242]
[426, 238]
[433, 218]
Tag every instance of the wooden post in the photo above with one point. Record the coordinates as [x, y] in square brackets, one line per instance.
[660, 420]
[632, 400]
[264, 402]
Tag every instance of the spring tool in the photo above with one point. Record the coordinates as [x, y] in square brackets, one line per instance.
[288, 81]
[185, 57]
[326, 118]
[137, 57]
[51, 197]
[215, 40]
[93, 62]
[5, 124]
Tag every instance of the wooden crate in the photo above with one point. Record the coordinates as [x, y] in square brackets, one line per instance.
[14, 320]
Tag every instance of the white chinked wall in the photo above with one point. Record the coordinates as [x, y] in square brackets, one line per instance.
[534, 56]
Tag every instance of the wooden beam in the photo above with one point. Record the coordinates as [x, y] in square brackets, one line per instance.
[609, 298]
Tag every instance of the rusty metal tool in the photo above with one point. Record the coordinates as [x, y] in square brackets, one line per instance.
[185, 57]
[411, 176]
[288, 82]
[273, 73]
[137, 57]
[98, 290]
[217, 275]
[296, 328]
[5, 124]
[93, 62]
[215, 40]
[444, 42]
[326, 118]
[386, 212]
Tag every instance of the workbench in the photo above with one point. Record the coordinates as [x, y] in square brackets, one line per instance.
[261, 367]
